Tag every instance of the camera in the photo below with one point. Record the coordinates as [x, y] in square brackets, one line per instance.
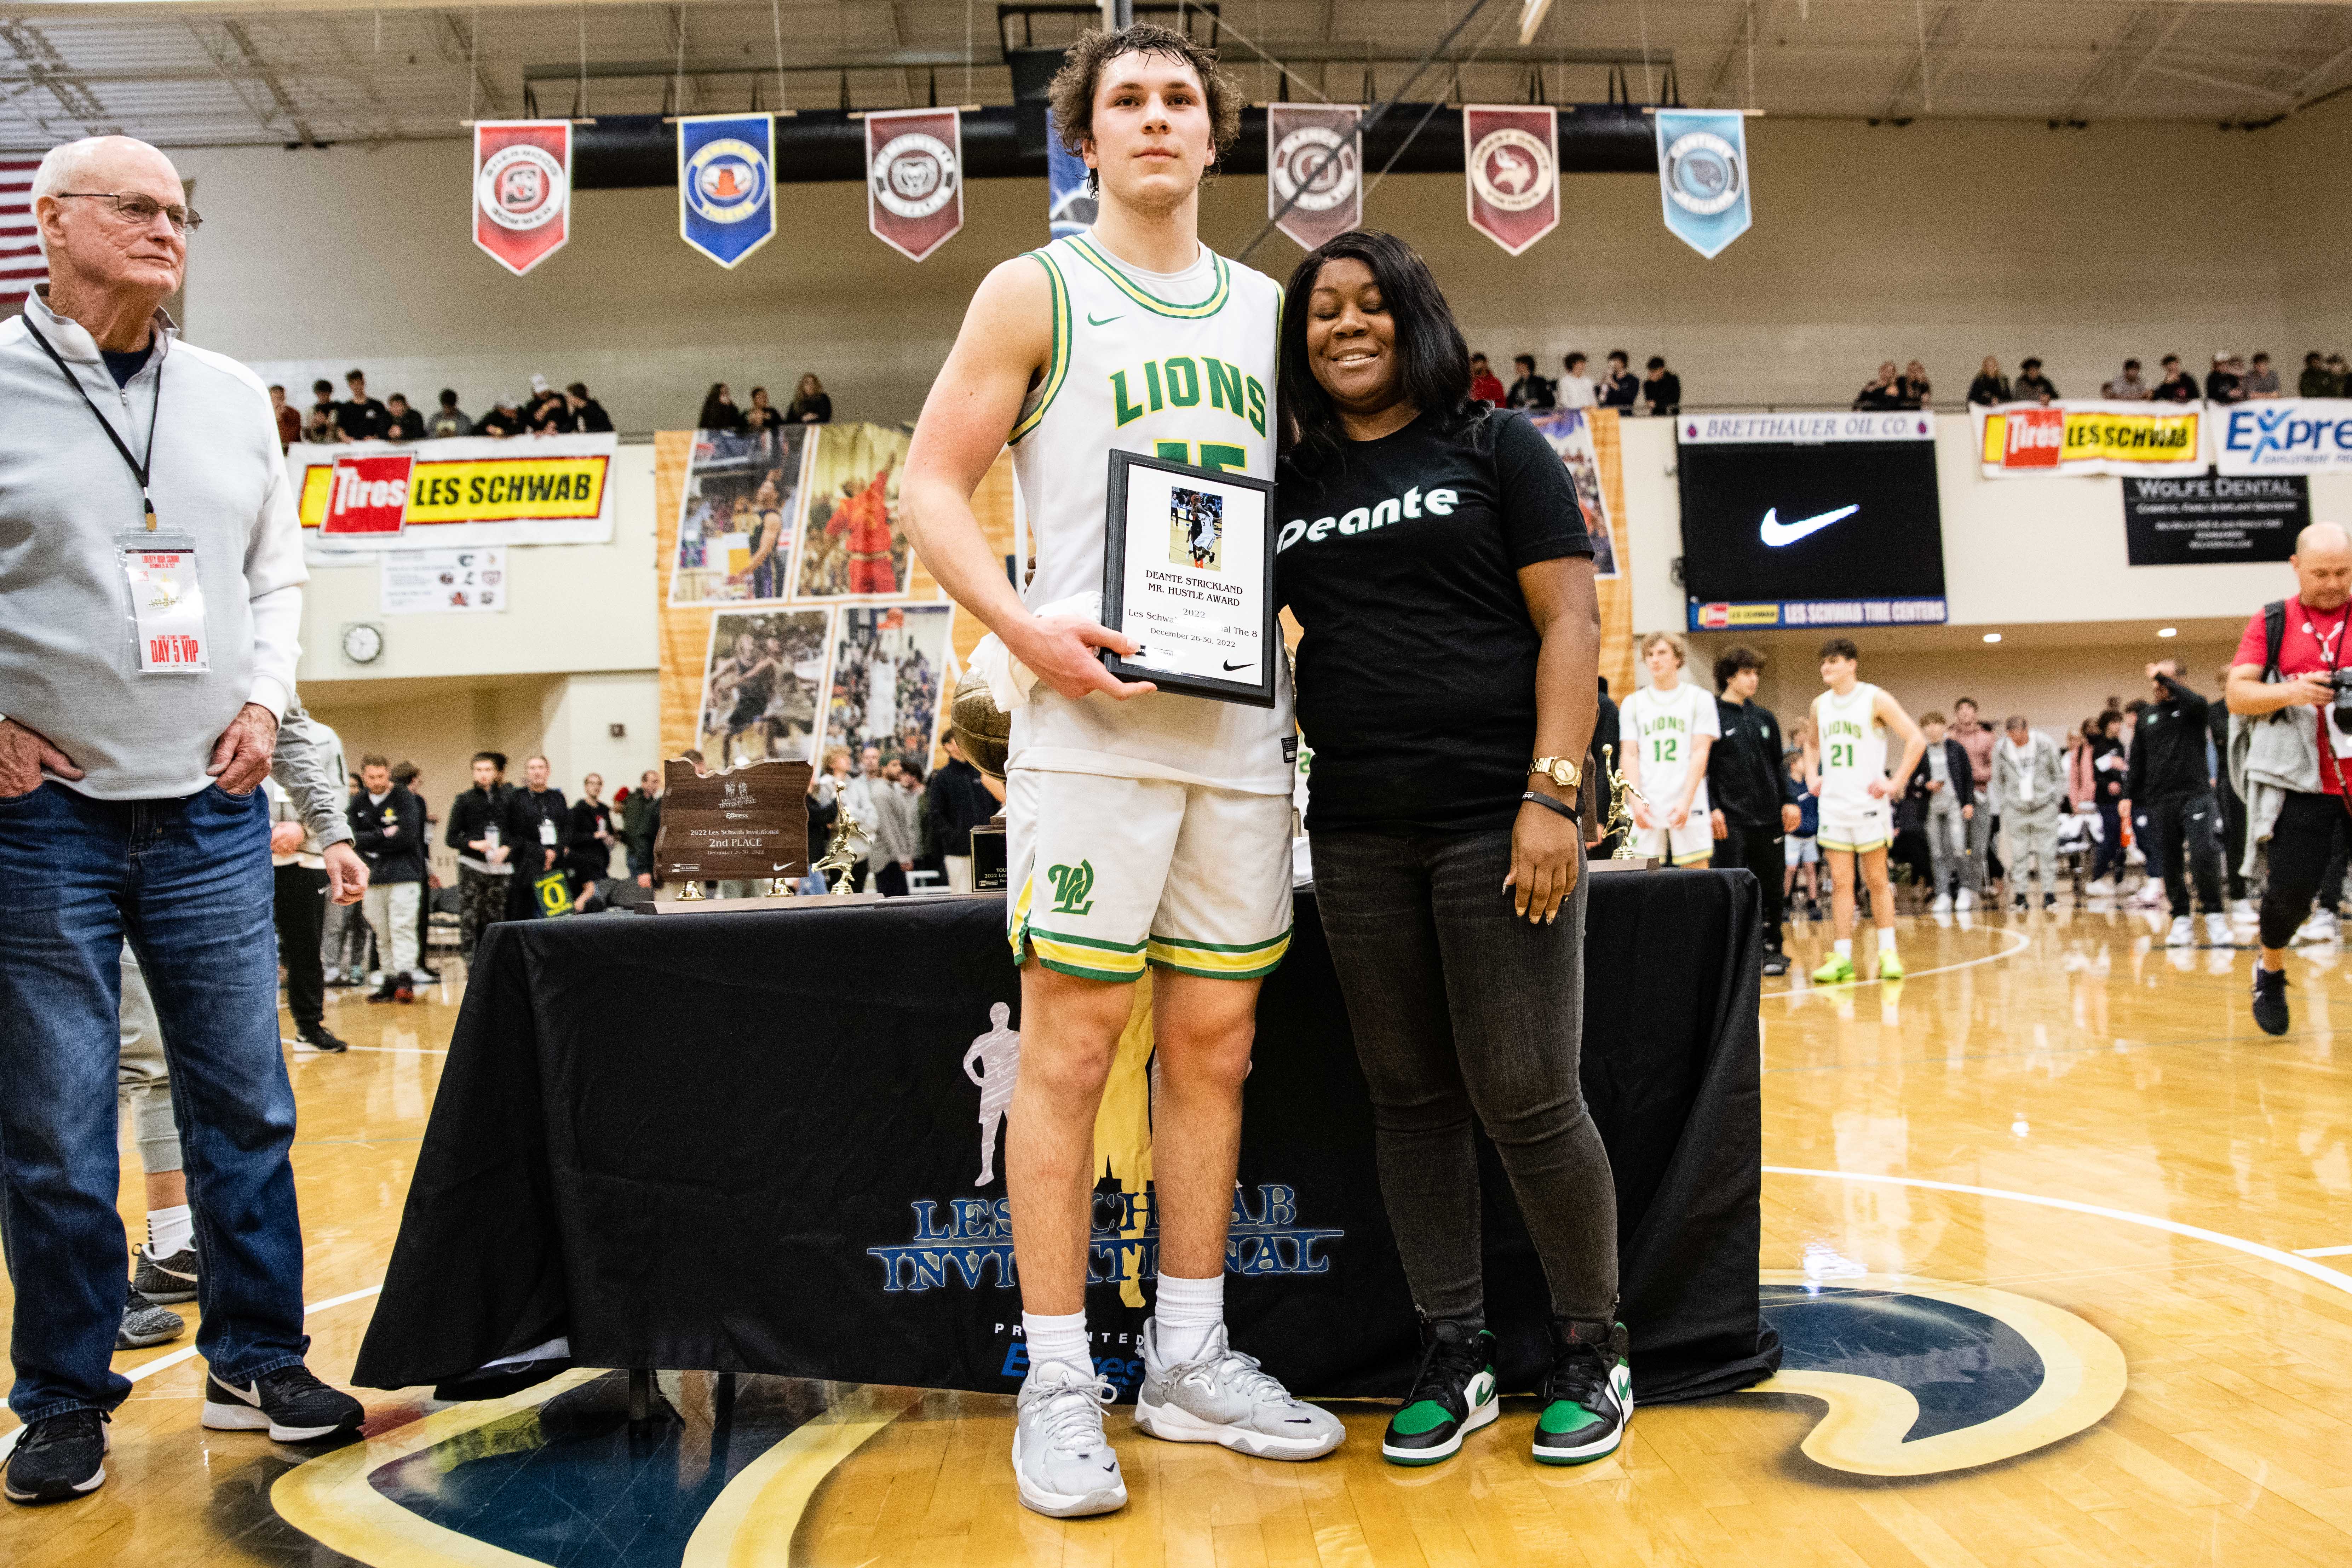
[2340, 707]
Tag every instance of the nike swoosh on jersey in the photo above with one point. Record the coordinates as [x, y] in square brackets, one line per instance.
[1104, 322]
[1775, 533]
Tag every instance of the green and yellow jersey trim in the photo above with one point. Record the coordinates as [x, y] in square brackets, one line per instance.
[1153, 302]
[1218, 960]
[1057, 362]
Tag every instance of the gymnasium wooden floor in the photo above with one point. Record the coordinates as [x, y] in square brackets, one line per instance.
[2064, 1140]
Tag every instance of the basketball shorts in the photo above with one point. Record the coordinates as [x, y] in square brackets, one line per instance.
[1109, 874]
[1855, 827]
[1692, 844]
[1800, 851]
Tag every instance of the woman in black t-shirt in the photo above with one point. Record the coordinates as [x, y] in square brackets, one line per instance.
[1434, 553]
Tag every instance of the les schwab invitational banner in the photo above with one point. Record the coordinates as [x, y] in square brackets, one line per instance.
[466, 490]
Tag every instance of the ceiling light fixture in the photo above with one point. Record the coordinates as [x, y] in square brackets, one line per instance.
[1992, 637]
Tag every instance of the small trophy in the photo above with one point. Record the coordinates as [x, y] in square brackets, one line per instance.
[1620, 817]
[838, 860]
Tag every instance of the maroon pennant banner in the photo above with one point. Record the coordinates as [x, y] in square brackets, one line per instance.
[1315, 168]
[1510, 163]
[522, 190]
[914, 178]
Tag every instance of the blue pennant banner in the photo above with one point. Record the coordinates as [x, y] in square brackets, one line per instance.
[1702, 176]
[1069, 205]
[727, 184]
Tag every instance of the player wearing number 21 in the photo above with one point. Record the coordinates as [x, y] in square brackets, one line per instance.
[1846, 765]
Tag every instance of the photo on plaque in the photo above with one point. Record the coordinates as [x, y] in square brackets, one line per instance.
[890, 669]
[736, 516]
[1188, 573]
[1196, 528]
[760, 684]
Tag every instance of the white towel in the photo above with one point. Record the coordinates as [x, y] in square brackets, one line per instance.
[1008, 679]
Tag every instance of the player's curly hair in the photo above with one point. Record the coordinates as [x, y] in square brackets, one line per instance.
[1071, 94]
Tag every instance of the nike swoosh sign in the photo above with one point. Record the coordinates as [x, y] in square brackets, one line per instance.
[1245, 664]
[1106, 320]
[1775, 533]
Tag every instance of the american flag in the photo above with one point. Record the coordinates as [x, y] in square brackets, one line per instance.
[21, 266]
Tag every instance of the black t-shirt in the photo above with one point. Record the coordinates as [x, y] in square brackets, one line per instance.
[362, 420]
[1417, 674]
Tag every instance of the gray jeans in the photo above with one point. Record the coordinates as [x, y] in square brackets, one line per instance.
[1947, 842]
[1460, 1008]
[1979, 826]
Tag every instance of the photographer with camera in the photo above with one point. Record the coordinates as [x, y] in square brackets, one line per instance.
[2290, 771]
[2169, 782]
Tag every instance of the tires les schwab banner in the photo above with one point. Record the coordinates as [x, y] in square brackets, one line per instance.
[726, 184]
[1511, 167]
[1314, 170]
[465, 492]
[1703, 177]
[2284, 435]
[2025, 439]
[522, 190]
[914, 178]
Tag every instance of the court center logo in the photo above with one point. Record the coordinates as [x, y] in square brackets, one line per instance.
[520, 188]
[914, 175]
[1922, 1377]
[1511, 170]
[727, 181]
[1314, 168]
[1703, 172]
[1074, 888]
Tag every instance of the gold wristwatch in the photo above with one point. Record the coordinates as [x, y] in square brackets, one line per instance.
[1560, 771]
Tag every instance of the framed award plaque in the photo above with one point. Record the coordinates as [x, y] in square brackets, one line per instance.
[1188, 573]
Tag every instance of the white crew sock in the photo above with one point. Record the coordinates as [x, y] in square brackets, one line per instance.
[169, 1230]
[1188, 1312]
[1885, 939]
[1059, 1338]
[1845, 947]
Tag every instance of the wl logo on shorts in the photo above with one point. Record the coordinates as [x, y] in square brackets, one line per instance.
[1074, 888]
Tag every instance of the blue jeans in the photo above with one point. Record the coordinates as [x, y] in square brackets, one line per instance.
[188, 883]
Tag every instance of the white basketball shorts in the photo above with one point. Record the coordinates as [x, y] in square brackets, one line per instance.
[1692, 844]
[1855, 827]
[1107, 873]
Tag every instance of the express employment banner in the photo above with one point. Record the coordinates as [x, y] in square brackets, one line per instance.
[2283, 436]
[466, 490]
[2024, 439]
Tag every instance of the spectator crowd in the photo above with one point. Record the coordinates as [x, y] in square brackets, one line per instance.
[331, 420]
[1658, 391]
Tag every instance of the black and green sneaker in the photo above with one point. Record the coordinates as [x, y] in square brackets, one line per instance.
[1453, 1395]
[1587, 1397]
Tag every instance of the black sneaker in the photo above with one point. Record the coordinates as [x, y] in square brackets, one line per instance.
[1588, 1397]
[172, 1278]
[1775, 963]
[145, 1323]
[2269, 1000]
[387, 992]
[1453, 1395]
[59, 1457]
[2049, 901]
[319, 1038]
[290, 1405]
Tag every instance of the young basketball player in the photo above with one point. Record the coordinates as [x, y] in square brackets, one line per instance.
[1846, 765]
[1143, 826]
[1668, 727]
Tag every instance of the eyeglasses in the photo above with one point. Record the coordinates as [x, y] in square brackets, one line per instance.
[141, 210]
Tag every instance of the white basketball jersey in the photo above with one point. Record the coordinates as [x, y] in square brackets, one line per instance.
[1177, 366]
[1853, 745]
[1664, 724]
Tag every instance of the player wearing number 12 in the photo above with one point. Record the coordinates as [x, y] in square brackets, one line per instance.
[1142, 828]
[1846, 765]
[1668, 727]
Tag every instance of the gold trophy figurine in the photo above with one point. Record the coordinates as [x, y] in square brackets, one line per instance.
[1620, 818]
[838, 861]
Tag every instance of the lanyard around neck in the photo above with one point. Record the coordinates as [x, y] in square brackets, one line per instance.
[139, 470]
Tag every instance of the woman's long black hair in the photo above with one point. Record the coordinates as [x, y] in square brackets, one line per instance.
[1429, 345]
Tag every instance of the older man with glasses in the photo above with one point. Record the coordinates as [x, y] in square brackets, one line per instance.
[150, 560]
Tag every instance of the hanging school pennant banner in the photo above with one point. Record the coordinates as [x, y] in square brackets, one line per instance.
[914, 178]
[1510, 164]
[726, 184]
[522, 190]
[1702, 176]
[1069, 205]
[1314, 170]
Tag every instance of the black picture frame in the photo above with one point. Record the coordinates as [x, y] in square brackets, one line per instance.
[1256, 694]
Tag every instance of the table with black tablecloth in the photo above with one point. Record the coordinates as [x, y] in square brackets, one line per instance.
[748, 1142]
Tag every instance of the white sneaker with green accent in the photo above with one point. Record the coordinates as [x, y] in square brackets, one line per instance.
[1223, 1396]
[1066, 1466]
